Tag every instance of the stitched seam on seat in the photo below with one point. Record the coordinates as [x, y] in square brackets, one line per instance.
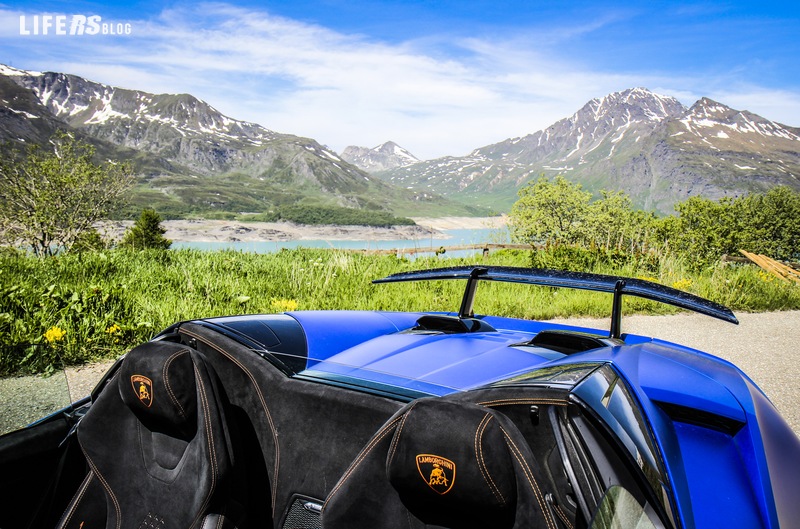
[396, 439]
[105, 486]
[478, 445]
[361, 456]
[263, 405]
[508, 402]
[531, 479]
[72, 507]
[563, 516]
[165, 376]
[212, 453]
[220, 519]
[408, 519]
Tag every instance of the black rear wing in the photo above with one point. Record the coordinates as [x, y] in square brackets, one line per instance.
[618, 286]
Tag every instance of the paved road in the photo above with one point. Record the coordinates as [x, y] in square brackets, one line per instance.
[766, 346]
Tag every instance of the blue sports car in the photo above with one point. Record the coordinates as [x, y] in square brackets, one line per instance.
[351, 420]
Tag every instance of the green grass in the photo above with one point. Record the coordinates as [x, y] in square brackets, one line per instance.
[98, 305]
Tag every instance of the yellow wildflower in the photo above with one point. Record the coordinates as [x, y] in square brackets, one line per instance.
[284, 305]
[682, 284]
[54, 334]
[765, 276]
[114, 329]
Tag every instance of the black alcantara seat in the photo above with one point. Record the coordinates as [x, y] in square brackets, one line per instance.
[444, 464]
[157, 446]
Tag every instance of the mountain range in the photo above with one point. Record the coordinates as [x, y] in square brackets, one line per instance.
[189, 157]
[192, 159]
[650, 146]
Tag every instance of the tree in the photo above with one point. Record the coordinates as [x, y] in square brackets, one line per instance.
[613, 224]
[704, 230]
[771, 223]
[49, 199]
[146, 233]
[550, 212]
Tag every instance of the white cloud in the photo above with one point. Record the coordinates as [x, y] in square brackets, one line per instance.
[433, 97]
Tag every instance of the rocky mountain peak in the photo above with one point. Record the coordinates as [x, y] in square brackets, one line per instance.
[706, 108]
[147, 118]
[385, 156]
[634, 104]
[724, 122]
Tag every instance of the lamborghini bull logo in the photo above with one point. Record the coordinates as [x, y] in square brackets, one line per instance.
[438, 472]
[143, 387]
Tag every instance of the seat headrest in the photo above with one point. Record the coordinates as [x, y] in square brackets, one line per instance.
[157, 382]
[450, 465]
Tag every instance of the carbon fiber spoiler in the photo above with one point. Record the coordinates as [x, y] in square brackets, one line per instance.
[618, 286]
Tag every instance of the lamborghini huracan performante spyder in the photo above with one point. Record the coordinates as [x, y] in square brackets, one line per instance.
[355, 419]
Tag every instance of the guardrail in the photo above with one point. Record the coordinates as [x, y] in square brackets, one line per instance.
[444, 249]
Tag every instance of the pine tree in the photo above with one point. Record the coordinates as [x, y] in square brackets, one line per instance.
[146, 233]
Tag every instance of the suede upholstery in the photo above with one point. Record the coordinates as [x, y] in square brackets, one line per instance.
[170, 405]
[296, 426]
[157, 446]
[439, 463]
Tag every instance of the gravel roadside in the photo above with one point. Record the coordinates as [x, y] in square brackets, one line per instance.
[766, 346]
[45, 395]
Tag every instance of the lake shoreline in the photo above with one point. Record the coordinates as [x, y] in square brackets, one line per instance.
[222, 231]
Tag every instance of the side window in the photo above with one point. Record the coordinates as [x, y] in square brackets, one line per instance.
[619, 510]
[611, 399]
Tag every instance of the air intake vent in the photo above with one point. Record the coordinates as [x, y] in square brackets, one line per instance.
[451, 324]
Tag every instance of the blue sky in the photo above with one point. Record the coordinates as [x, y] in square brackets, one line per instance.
[439, 78]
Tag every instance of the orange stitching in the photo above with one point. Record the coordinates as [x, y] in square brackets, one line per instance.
[563, 515]
[531, 479]
[482, 463]
[396, 439]
[165, 376]
[105, 486]
[79, 496]
[361, 456]
[263, 405]
[212, 455]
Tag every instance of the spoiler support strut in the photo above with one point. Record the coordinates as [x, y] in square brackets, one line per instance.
[616, 310]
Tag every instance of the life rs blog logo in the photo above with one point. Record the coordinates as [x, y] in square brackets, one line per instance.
[71, 25]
